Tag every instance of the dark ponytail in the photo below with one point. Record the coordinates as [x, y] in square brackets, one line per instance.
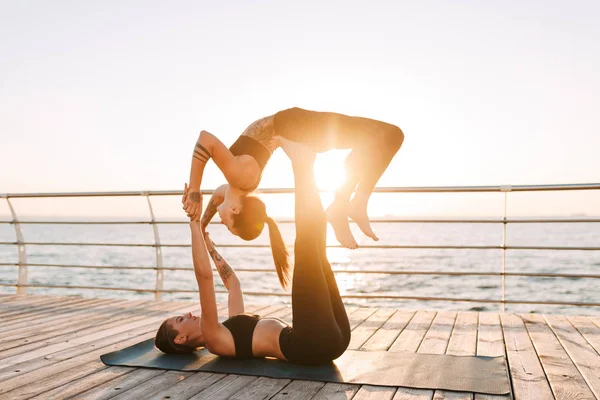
[250, 222]
[280, 253]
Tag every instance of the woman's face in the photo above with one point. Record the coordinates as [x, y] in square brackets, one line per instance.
[187, 325]
[227, 211]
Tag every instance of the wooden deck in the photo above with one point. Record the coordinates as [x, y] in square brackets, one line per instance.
[50, 348]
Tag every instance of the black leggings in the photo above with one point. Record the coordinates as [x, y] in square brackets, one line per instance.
[320, 331]
[373, 143]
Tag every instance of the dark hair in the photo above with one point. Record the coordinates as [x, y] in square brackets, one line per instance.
[165, 340]
[250, 222]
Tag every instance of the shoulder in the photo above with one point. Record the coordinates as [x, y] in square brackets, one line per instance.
[259, 125]
[220, 192]
[220, 342]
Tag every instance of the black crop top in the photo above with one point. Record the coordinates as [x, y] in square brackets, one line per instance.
[245, 145]
[252, 147]
[242, 328]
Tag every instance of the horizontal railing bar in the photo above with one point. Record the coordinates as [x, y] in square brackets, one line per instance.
[260, 246]
[349, 296]
[423, 189]
[340, 271]
[291, 221]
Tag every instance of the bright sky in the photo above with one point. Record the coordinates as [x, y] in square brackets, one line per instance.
[111, 95]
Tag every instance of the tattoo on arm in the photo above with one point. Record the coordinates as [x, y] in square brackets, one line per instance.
[194, 197]
[261, 130]
[200, 153]
[223, 267]
[210, 212]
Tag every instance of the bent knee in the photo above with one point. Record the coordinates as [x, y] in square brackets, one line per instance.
[394, 137]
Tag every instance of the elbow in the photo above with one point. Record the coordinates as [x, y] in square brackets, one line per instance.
[204, 276]
[206, 135]
[233, 284]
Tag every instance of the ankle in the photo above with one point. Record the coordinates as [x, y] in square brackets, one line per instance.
[361, 199]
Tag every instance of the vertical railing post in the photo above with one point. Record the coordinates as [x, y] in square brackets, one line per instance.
[22, 279]
[505, 189]
[159, 259]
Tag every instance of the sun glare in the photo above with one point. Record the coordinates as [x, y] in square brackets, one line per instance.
[330, 172]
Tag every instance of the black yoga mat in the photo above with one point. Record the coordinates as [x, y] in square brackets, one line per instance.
[426, 371]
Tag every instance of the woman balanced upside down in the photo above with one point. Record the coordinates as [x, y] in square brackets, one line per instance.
[320, 331]
[373, 143]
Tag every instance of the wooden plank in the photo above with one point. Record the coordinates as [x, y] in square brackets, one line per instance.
[437, 336]
[490, 342]
[47, 377]
[299, 390]
[582, 354]
[428, 333]
[285, 313]
[152, 328]
[44, 350]
[46, 307]
[360, 315]
[266, 312]
[75, 322]
[447, 395]
[47, 320]
[187, 387]
[44, 310]
[31, 299]
[435, 342]
[389, 332]
[463, 342]
[4, 297]
[262, 388]
[336, 391]
[20, 302]
[565, 380]
[413, 394]
[78, 325]
[282, 313]
[76, 386]
[589, 330]
[224, 388]
[382, 339]
[32, 369]
[368, 392]
[146, 389]
[182, 389]
[528, 378]
[365, 330]
[121, 384]
[48, 382]
[411, 337]
[44, 320]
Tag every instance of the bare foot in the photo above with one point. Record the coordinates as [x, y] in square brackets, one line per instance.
[297, 152]
[358, 213]
[338, 218]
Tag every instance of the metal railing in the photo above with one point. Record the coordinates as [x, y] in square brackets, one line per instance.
[22, 282]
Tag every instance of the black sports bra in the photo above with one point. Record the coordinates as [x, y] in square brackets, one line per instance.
[245, 145]
[242, 328]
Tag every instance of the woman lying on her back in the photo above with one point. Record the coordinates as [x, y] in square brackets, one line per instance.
[320, 332]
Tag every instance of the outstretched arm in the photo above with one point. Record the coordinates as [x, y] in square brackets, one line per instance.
[229, 278]
[207, 146]
[212, 330]
[211, 209]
